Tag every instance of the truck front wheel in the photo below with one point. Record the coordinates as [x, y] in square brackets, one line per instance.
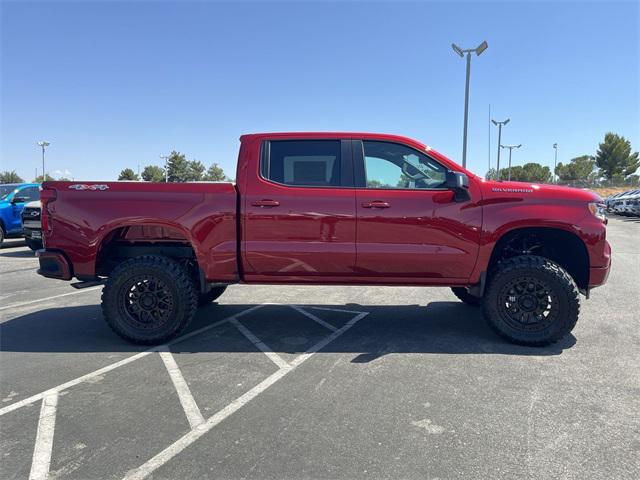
[531, 300]
[149, 299]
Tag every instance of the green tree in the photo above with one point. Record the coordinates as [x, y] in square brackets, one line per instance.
[10, 177]
[614, 157]
[529, 172]
[579, 169]
[215, 174]
[195, 171]
[178, 167]
[491, 174]
[153, 173]
[128, 174]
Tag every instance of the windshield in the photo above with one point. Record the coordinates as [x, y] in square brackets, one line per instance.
[5, 190]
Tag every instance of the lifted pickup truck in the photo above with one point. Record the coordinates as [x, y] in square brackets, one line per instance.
[329, 208]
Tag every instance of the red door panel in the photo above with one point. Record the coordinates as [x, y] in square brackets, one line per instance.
[311, 232]
[419, 233]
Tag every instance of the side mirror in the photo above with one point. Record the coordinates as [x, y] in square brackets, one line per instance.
[459, 183]
[16, 199]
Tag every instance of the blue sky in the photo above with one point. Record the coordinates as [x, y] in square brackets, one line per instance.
[114, 84]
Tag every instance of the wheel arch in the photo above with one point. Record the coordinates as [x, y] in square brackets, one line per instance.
[560, 245]
[132, 239]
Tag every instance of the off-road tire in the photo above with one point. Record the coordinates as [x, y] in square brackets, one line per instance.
[503, 295]
[131, 290]
[211, 295]
[466, 297]
[33, 244]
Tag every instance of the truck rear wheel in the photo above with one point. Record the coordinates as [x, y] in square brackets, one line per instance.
[464, 295]
[211, 295]
[149, 299]
[531, 300]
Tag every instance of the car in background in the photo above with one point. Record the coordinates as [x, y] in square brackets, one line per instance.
[611, 200]
[31, 225]
[632, 204]
[13, 197]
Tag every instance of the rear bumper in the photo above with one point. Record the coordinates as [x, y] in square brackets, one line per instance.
[54, 264]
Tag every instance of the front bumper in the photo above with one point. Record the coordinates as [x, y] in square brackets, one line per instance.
[598, 275]
[54, 264]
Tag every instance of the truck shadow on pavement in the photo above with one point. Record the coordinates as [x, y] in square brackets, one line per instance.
[439, 327]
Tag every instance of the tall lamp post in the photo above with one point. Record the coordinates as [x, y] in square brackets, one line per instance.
[499, 125]
[44, 144]
[510, 147]
[555, 162]
[478, 51]
[166, 167]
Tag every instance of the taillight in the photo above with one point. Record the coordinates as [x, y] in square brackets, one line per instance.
[47, 196]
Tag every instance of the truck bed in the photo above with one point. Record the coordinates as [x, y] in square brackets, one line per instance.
[87, 215]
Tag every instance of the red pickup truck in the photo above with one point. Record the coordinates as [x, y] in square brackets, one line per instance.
[329, 208]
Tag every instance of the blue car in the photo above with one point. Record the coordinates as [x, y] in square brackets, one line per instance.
[13, 196]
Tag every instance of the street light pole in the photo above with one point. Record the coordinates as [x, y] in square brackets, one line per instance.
[555, 162]
[478, 51]
[499, 125]
[44, 144]
[166, 167]
[510, 147]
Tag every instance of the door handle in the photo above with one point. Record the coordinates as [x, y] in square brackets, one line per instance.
[266, 203]
[376, 204]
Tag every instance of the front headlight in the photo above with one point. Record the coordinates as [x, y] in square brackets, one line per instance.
[598, 210]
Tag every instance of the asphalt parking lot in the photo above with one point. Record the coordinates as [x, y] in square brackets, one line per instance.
[318, 382]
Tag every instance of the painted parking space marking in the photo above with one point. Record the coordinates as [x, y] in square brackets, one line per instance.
[198, 424]
[194, 416]
[175, 448]
[259, 344]
[53, 297]
[314, 318]
[44, 438]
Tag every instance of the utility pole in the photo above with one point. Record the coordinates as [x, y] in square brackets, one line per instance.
[555, 163]
[499, 125]
[166, 167]
[489, 141]
[510, 147]
[44, 144]
[478, 51]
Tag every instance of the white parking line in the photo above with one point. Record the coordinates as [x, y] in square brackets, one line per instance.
[314, 318]
[189, 405]
[46, 424]
[260, 345]
[332, 309]
[172, 450]
[30, 302]
[113, 366]
[44, 438]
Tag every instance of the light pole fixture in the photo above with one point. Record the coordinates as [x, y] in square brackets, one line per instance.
[44, 144]
[478, 51]
[499, 125]
[166, 167]
[510, 147]
[555, 163]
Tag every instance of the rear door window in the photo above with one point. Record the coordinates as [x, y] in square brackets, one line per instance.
[308, 163]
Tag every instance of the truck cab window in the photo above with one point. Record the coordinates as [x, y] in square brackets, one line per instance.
[391, 165]
[310, 163]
